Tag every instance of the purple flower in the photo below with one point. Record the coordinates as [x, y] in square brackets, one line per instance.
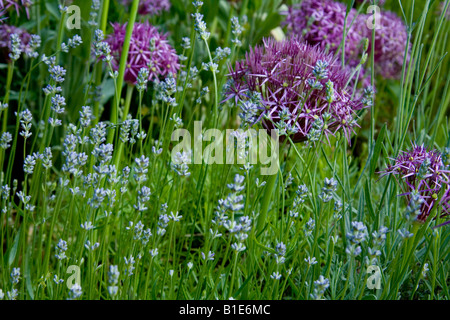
[390, 44]
[321, 22]
[151, 7]
[422, 174]
[5, 42]
[148, 49]
[295, 88]
[26, 4]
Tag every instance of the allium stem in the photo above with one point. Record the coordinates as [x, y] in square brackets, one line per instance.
[125, 112]
[123, 63]
[98, 68]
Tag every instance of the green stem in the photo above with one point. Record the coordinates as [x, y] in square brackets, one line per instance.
[6, 98]
[125, 113]
[98, 67]
[123, 64]
[265, 202]
[269, 190]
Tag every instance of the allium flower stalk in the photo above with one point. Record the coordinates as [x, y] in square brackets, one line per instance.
[148, 49]
[150, 7]
[299, 88]
[422, 175]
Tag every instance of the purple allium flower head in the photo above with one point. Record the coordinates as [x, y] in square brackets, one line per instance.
[148, 49]
[422, 174]
[322, 22]
[17, 4]
[151, 7]
[295, 87]
[390, 44]
[5, 43]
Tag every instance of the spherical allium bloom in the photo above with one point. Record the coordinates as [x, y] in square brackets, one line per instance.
[422, 175]
[148, 49]
[151, 7]
[25, 4]
[5, 41]
[322, 22]
[390, 44]
[295, 88]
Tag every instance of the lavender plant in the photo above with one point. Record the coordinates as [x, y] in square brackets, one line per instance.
[99, 201]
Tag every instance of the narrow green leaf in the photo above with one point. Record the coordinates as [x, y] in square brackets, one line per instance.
[13, 252]
[377, 150]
